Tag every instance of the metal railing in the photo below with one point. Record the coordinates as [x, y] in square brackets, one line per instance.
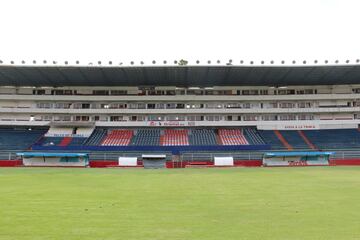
[195, 156]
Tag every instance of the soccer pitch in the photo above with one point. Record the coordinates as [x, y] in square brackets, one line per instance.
[237, 203]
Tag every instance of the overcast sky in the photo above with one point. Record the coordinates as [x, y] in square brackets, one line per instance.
[125, 30]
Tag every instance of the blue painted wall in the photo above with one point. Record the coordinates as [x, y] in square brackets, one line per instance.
[172, 149]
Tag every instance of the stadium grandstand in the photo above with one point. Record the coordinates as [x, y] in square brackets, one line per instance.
[189, 114]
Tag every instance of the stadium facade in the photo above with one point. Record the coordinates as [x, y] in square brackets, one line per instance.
[181, 109]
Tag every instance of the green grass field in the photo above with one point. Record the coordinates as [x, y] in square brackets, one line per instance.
[238, 203]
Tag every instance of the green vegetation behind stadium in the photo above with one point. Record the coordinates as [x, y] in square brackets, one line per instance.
[238, 203]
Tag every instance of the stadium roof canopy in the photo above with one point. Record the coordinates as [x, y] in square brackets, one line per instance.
[180, 76]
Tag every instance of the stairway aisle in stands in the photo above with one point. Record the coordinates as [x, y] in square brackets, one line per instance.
[65, 141]
[294, 139]
[283, 140]
[306, 140]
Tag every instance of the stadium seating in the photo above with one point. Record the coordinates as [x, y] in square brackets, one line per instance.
[294, 139]
[232, 137]
[277, 139]
[146, 137]
[272, 139]
[253, 136]
[308, 142]
[65, 141]
[96, 137]
[202, 137]
[62, 141]
[50, 141]
[118, 137]
[19, 139]
[313, 139]
[174, 137]
[334, 139]
[77, 141]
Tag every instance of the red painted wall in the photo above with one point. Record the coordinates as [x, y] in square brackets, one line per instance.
[237, 163]
[245, 163]
[10, 163]
[345, 162]
[248, 163]
[102, 164]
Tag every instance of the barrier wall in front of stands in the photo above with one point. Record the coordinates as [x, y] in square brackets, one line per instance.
[182, 164]
[173, 149]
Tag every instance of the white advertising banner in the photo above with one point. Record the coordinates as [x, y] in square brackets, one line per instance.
[127, 161]
[223, 161]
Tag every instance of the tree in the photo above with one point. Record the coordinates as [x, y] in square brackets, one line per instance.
[183, 62]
